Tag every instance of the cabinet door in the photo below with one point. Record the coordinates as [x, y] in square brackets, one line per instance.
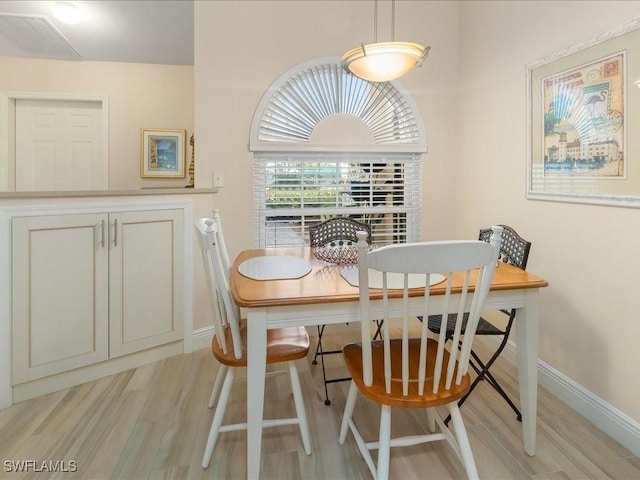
[60, 294]
[146, 271]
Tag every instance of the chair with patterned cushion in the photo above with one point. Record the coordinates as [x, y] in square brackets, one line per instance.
[284, 345]
[335, 232]
[419, 372]
[513, 250]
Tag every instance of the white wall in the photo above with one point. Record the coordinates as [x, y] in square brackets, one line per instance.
[589, 328]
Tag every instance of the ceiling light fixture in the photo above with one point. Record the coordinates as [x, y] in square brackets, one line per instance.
[67, 12]
[384, 61]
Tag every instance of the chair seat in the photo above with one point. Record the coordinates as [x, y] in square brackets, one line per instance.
[484, 327]
[283, 345]
[377, 393]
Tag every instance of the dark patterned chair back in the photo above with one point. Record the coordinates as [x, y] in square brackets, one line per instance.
[337, 231]
[513, 250]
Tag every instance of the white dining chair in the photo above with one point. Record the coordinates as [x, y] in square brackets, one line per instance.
[421, 372]
[284, 345]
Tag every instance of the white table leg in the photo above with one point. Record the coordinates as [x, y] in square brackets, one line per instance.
[527, 355]
[256, 370]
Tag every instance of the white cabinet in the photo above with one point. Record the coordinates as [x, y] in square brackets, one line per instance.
[145, 281]
[60, 294]
[93, 287]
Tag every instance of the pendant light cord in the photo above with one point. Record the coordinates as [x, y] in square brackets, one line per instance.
[375, 21]
[393, 20]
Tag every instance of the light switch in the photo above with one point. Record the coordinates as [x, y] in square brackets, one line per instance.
[218, 179]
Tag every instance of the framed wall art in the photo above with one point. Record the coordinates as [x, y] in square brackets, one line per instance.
[583, 106]
[162, 153]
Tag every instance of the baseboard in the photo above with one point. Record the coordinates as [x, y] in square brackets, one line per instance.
[615, 423]
[202, 338]
[60, 381]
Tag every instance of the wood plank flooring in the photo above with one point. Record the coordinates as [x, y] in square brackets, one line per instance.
[152, 422]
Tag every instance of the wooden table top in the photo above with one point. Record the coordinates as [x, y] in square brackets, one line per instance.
[325, 284]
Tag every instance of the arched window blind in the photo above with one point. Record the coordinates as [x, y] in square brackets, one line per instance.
[327, 143]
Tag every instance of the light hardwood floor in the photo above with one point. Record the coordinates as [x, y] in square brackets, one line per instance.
[152, 422]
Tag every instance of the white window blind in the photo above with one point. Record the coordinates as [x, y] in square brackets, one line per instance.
[327, 143]
[295, 190]
[296, 108]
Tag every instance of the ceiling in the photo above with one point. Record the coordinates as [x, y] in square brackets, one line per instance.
[143, 31]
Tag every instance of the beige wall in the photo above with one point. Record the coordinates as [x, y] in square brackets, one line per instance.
[589, 328]
[243, 47]
[471, 94]
[140, 96]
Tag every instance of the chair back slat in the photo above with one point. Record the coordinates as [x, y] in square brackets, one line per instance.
[224, 254]
[468, 268]
[226, 313]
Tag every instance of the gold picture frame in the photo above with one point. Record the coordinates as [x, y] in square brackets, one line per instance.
[162, 153]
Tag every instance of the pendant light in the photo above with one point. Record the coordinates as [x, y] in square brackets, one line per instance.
[384, 61]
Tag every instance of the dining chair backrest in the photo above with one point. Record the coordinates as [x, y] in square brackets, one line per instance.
[224, 254]
[467, 267]
[226, 313]
[337, 229]
[514, 249]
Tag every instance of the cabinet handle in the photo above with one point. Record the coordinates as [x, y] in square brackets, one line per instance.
[102, 233]
[115, 232]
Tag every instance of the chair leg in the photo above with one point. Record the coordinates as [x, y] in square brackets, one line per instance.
[431, 420]
[324, 380]
[319, 345]
[348, 412]
[384, 443]
[496, 386]
[378, 334]
[485, 373]
[300, 410]
[321, 353]
[216, 423]
[463, 442]
[222, 372]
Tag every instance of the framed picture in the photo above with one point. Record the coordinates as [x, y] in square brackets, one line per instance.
[162, 153]
[582, 105]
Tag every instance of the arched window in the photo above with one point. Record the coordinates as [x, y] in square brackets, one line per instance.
[327, 143]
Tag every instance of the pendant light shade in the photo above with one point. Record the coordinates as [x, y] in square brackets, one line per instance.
[384, 61]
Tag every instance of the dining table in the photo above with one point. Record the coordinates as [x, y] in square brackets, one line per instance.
[284, 287]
